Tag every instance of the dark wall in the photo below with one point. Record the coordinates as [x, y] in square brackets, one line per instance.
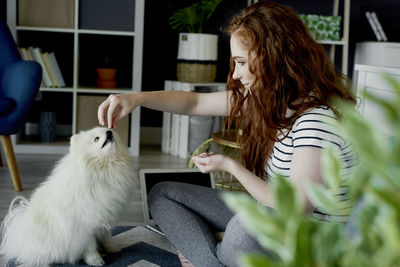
[3, 10]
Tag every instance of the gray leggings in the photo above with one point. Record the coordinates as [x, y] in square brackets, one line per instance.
[190, 214]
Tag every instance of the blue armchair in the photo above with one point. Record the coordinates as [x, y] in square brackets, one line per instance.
[19, 84]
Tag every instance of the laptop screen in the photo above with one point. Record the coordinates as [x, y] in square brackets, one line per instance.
[150, 177]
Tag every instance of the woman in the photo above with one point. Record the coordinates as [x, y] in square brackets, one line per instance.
[278, 93]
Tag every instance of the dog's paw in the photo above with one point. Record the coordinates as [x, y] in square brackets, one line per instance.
[94, 259]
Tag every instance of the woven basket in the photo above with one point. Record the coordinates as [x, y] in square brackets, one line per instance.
[196, 72]
[223, 180]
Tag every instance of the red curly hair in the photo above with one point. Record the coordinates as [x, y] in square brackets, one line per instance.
[291, 70]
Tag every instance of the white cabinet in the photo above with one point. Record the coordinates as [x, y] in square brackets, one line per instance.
[94, 34]
[385, 54]
[371, 79]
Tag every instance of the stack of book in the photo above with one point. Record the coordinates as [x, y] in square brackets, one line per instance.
[376, 26]
[52, 76]
[175, 129]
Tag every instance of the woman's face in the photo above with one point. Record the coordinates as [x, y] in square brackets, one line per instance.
[240, 57]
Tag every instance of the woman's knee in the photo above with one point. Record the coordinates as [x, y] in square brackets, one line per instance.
[156, 194]
[161, 192]
[236, 241]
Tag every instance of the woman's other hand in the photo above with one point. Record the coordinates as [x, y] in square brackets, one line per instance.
[210, 162]
[114, 108]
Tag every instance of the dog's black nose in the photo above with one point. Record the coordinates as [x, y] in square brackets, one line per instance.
[109, 134]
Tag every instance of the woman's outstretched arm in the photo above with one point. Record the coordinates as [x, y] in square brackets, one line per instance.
[179, 102]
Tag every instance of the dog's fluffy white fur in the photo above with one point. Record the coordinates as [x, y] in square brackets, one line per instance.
[70, 214]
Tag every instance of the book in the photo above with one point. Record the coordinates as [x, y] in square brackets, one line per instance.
[28, 53]
[166, 127]
[57, 69]
[183, 145]
[378, 26]
[36, 53]
[50, 70]
[175, 134]
[23, 56]
[373, 26]
[24, 53]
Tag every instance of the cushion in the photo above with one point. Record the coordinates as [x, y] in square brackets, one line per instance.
[6, 105]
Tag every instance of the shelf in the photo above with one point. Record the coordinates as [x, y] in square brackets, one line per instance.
[90, 90]
[98, 28]
[44, 29]
[34, 140]
[103, 91]
[118, 33]
[57, 89]
[327, 42]
[94, 48]
[67, 30]
[40, 148]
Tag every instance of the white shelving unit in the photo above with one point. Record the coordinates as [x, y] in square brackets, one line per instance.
[75, 89]
[345, 38]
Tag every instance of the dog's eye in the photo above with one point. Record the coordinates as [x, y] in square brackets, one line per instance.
[96, 139]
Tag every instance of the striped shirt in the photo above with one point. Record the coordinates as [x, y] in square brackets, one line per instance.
[312, 129]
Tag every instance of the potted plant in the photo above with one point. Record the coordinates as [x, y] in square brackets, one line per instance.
[197, 51]
[106, 74]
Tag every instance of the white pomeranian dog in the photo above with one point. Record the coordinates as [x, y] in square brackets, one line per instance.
[70, 215]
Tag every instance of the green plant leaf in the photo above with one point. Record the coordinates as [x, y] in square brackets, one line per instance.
[391, 112]
[256, 260]
[328, 243]
[389, 196]
[323, 199]
[261, 222]
[359, 181]
[331, 169]
[184, 19]
[286, 199]
[304, 252]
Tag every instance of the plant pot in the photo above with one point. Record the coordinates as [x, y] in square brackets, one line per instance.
[197, 57]
[106, 78]
[196, 72]
[106, 84]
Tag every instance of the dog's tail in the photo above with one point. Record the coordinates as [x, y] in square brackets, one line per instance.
[10, 226]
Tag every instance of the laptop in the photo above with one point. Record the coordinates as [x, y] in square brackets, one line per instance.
[150, 177]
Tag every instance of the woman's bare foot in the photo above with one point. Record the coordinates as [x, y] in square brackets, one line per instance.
[185, 262]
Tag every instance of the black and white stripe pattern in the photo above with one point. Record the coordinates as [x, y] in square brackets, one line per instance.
[312, 129]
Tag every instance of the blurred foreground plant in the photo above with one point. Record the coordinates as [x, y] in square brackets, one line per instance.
[371, 237]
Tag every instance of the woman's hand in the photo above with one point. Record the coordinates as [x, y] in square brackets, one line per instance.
[115, 107]
[257, 187]
[210, 162]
